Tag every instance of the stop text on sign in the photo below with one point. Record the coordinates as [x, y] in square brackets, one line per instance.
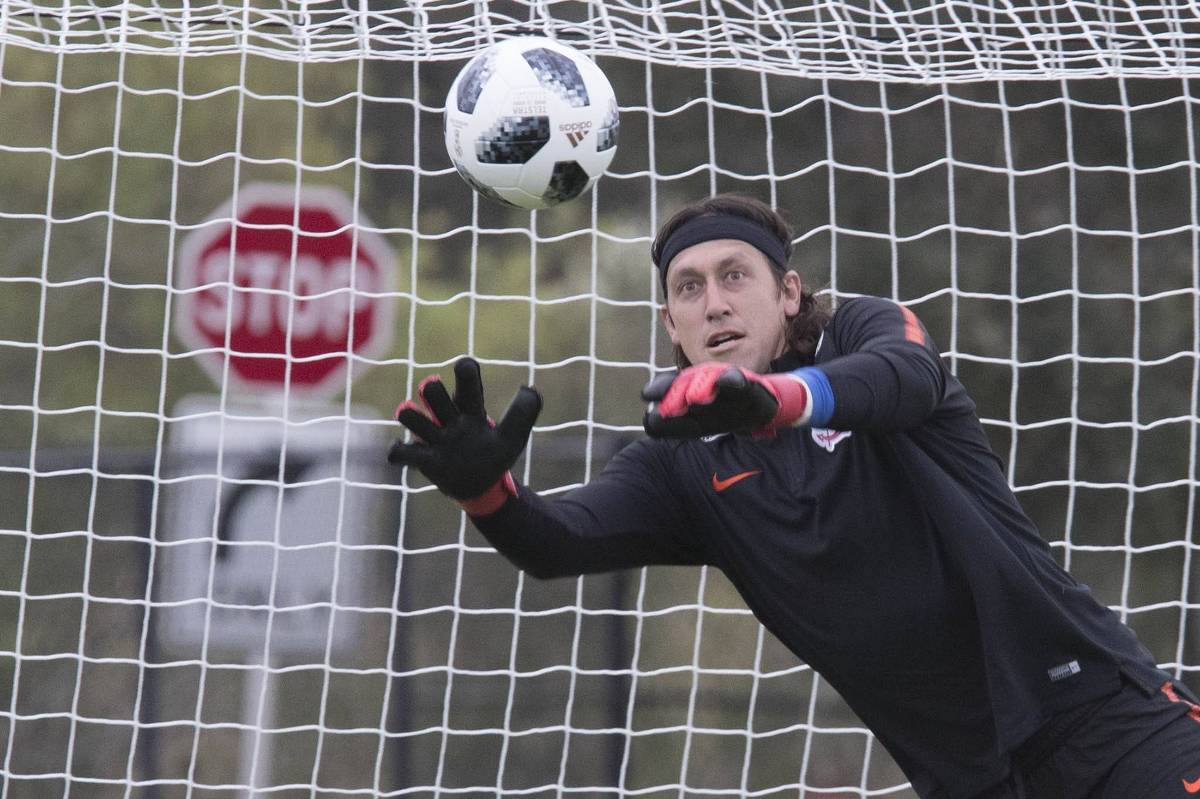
[281, 289]
[269, 294]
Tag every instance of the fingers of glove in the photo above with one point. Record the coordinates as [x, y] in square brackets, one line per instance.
[421, 425]
[518, 420]
[659, 426]
[675, 401]
[432, 392]
[468, 387]
[656, 389]
[720, 417]
[702, 388]
[418, 455]
[731, 379]
[756, 399]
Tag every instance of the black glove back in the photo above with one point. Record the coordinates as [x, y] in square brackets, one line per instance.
[460, 451]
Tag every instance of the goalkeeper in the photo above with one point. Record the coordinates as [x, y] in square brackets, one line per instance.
[834, 469]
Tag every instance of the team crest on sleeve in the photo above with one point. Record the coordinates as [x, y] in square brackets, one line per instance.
[829, 438]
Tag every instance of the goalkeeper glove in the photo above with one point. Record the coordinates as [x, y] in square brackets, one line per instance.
[718, 398]
[459, 449]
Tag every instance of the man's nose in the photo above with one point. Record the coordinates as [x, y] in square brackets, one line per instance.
[715, 303]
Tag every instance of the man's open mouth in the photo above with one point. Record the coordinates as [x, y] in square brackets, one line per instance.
[720, 339]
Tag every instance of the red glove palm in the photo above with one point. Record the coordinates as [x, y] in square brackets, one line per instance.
[718, 398]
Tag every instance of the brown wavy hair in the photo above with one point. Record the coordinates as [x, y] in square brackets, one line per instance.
[804, 329]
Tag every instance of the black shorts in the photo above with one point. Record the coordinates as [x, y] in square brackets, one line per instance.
[1132, 745]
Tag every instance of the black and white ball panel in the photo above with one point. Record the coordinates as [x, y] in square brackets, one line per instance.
[473, 80]
[512, 140]
[566, 182]
[606, 137]
[558, 74]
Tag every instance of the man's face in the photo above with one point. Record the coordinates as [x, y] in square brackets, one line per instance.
[725, 304]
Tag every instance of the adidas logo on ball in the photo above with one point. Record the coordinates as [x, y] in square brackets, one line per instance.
[576, 131]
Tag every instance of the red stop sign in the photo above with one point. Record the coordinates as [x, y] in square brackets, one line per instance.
[284, 291]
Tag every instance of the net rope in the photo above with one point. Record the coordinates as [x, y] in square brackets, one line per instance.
[950, 41]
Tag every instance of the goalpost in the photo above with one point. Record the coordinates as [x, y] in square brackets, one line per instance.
[211, 585]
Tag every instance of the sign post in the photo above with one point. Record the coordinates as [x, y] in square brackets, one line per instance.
[279, 292]
[263, 549]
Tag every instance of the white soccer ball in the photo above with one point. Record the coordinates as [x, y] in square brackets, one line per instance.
[531, 122]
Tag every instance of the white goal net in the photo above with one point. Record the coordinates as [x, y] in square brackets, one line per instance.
[210, 584]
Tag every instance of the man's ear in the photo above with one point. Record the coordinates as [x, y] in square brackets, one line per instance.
[791, 292]
[669, 324]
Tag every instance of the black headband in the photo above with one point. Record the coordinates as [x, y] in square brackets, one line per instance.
[708, 227]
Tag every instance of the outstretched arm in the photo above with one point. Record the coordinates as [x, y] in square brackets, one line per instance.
[625, 517]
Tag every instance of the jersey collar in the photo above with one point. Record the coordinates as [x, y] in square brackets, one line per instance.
[788, 362]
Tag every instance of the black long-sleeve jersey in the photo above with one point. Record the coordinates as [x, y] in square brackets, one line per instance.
[882, 545]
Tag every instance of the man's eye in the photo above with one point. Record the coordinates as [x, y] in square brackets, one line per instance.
[735, 275]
